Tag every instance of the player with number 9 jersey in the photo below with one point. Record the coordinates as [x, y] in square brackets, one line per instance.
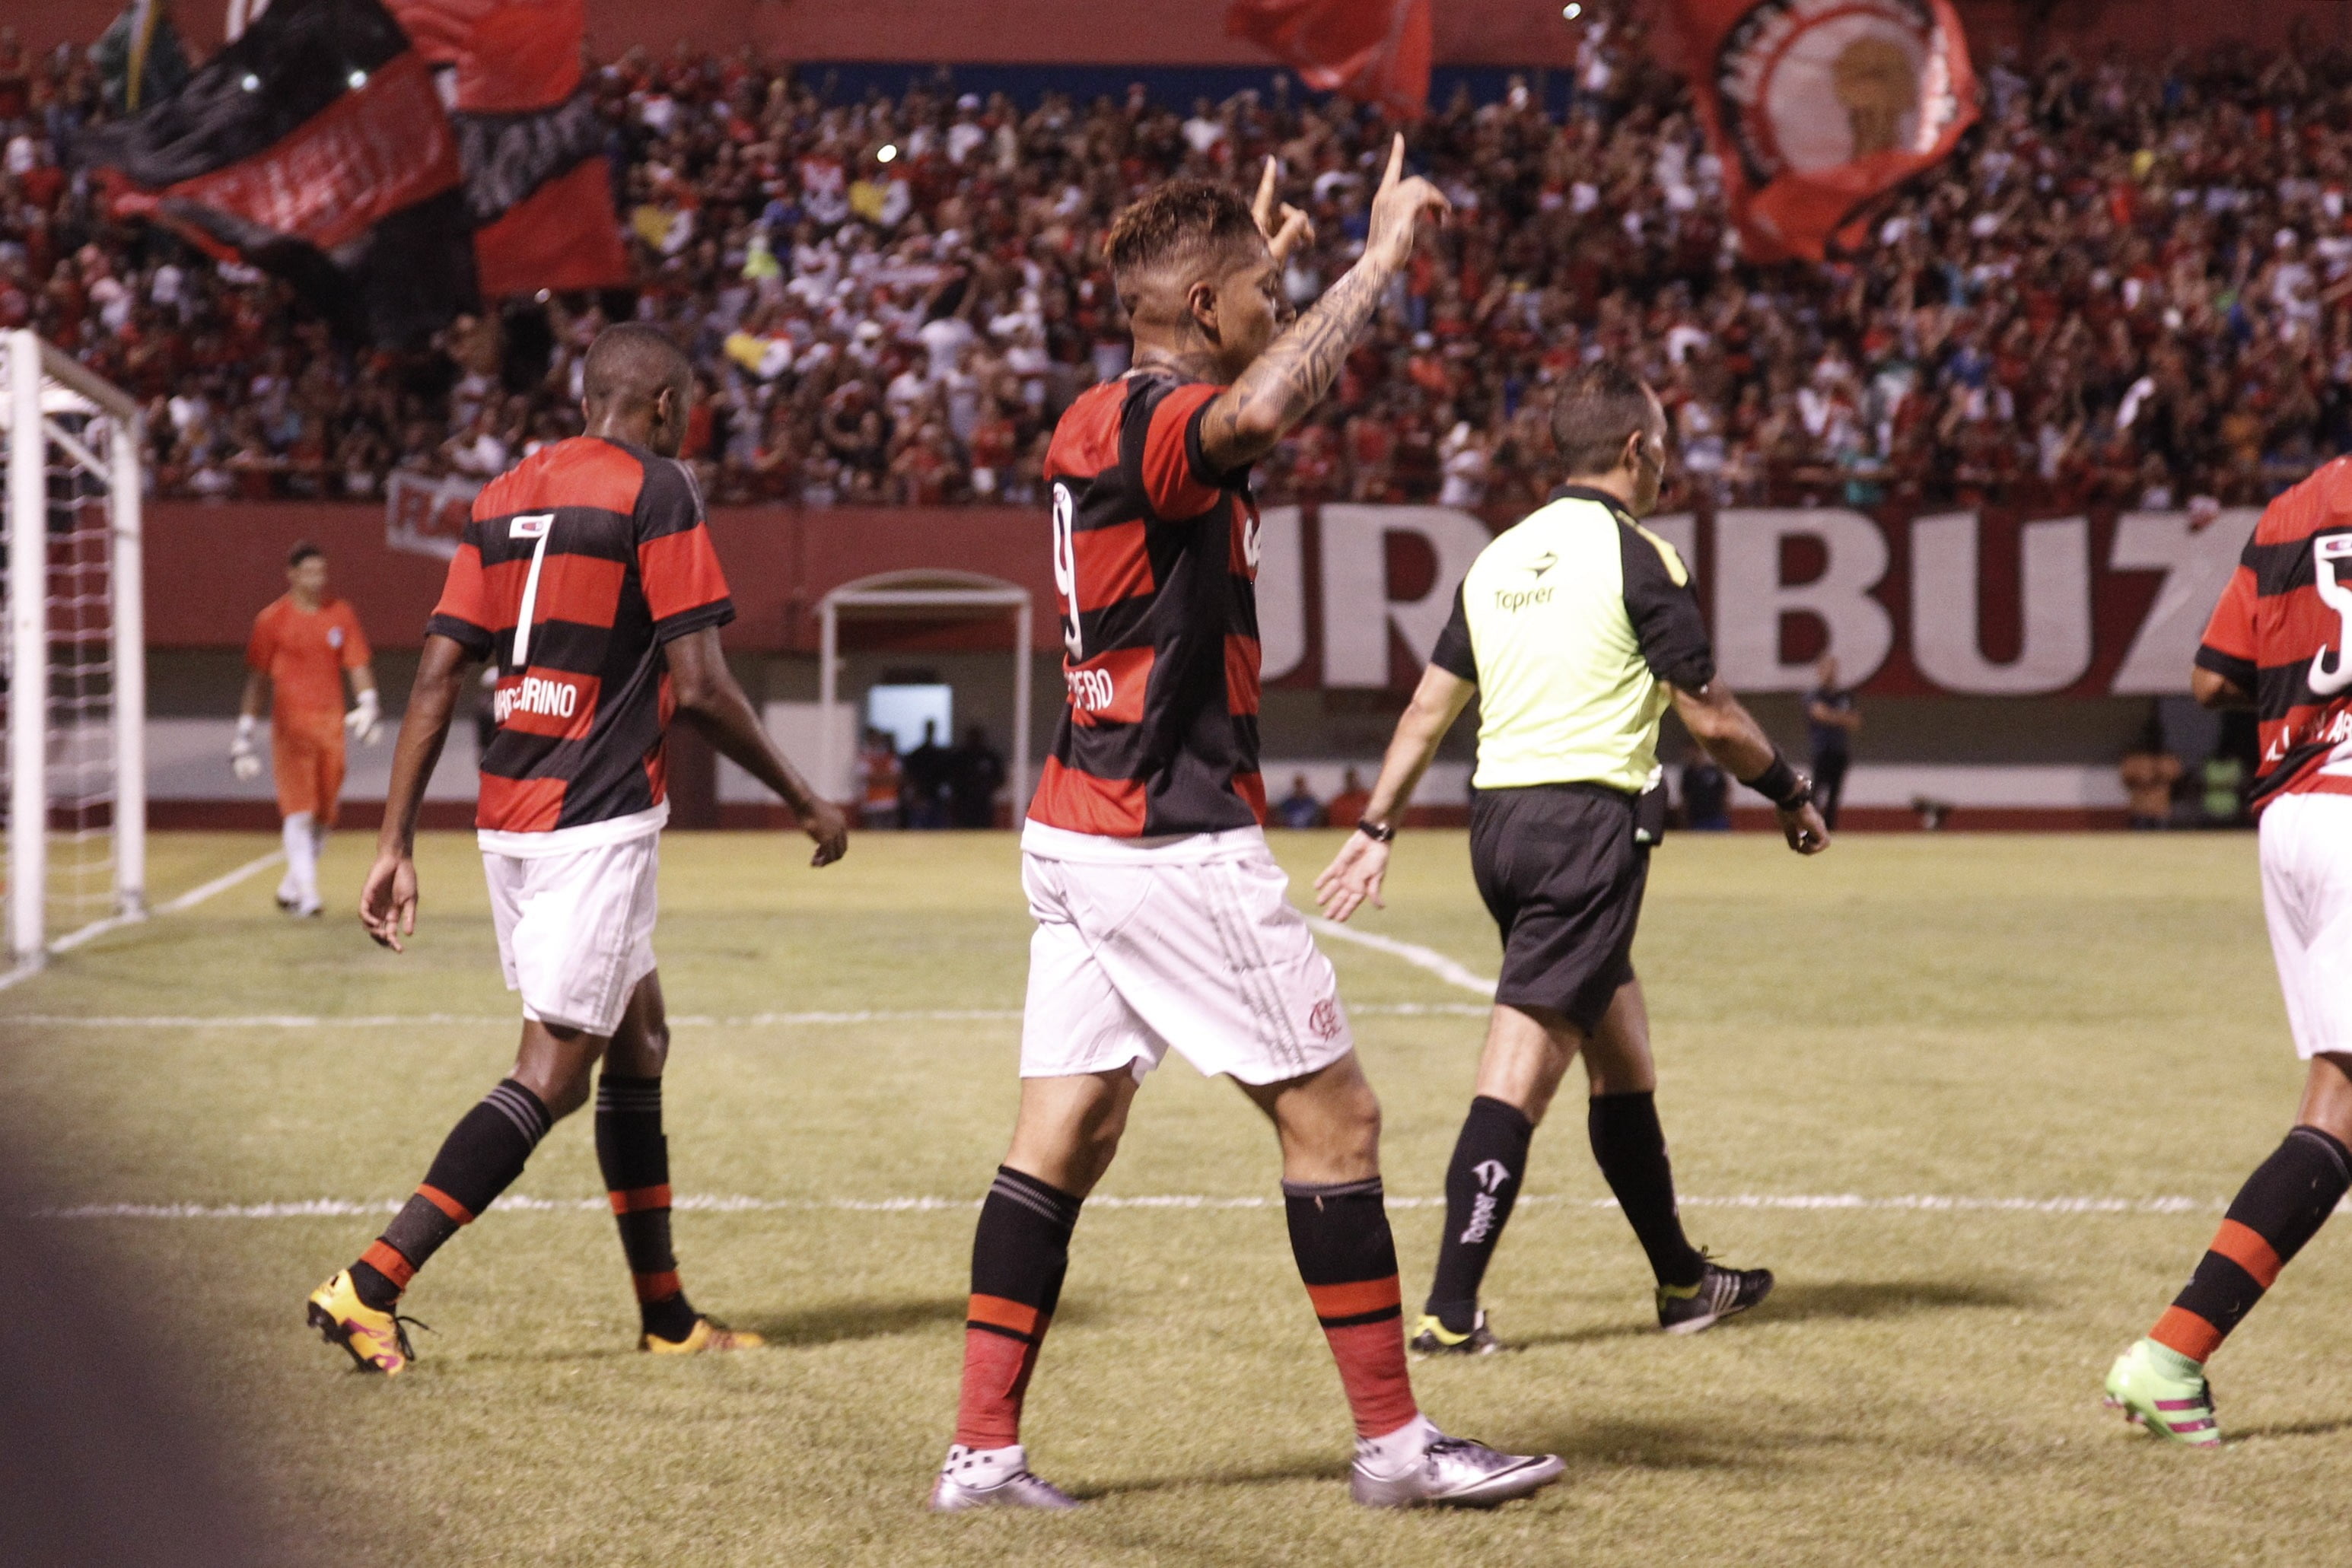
[1155, 565]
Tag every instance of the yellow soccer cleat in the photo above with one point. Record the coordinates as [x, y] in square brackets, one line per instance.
[707, 1335]
[377, 1341]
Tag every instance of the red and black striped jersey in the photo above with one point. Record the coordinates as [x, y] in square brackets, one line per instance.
[1155, 564]
[2283, 632]
[576, 568]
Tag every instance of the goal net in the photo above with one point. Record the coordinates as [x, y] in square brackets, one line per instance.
[73, 767]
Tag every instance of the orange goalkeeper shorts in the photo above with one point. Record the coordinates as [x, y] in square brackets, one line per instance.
[306, 754]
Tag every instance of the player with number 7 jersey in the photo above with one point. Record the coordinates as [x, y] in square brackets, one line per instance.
[586, 578]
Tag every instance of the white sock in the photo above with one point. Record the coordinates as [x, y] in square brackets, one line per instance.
[1399, 1450]
[302, 857]
[984, 1466]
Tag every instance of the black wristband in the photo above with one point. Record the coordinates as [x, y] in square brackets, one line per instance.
[1379, 833]
[1781, 784]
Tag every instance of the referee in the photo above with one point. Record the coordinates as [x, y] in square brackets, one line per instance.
[1577, 628]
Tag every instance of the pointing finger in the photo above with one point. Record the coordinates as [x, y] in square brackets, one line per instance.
[1396, 164]
[1262, 208]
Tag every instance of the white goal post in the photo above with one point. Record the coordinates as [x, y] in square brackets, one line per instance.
[75, 656]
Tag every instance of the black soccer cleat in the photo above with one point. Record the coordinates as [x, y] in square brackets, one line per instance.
[1432, 1337]
[1720, 1293]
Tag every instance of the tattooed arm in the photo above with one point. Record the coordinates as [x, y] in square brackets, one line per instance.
[1291, 377]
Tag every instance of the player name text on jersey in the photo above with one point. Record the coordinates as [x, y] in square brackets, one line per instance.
[536, 695]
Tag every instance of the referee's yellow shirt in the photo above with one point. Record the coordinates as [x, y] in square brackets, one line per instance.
[1571, 625]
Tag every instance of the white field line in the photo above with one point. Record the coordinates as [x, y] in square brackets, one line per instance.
[682, 1020]
[1420, 957]
[187, 900]
[335, 1207]
[221, 883]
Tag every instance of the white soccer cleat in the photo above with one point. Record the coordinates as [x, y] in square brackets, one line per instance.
[1454, 1472]
[993, 1477]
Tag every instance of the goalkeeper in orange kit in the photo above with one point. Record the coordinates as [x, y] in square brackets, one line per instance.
[303, 646]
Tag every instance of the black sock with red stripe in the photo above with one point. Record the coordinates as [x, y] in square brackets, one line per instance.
[635, 1158]
[480, 1159]
[2282, 1205]
[1020, 1252]
[1339, 1234]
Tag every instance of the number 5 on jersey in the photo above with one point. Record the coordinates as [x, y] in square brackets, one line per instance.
[1066, 570]
[537, 526]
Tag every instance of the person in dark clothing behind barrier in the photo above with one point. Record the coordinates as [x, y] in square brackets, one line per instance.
[924, 772]
[1299, 809]
[1831, 717]
[2151, 773]
[975, 772]
[1706, 796]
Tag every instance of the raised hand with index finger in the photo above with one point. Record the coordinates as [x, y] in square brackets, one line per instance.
[1294, 227]
[1397, 209]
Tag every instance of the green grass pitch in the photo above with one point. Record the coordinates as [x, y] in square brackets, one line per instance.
[1929, 1017]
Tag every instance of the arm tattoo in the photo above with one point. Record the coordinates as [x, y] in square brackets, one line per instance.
[1294, 372]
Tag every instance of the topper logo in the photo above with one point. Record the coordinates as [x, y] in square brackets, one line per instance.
[1091, 691]
[530, 525]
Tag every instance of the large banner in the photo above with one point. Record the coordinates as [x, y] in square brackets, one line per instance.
[1818, 107]
[1960, 603]
[1350, 598]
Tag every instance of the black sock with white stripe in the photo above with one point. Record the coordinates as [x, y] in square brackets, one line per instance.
[480, 1159]
[1490, 1160]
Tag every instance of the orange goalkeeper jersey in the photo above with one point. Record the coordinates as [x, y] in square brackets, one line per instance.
[304, 653]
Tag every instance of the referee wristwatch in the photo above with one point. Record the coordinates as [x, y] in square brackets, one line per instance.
[1379, 833]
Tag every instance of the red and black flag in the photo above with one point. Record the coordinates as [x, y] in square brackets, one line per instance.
[314, 146]
[1820, 108]
[538, 182]
[1375, 51]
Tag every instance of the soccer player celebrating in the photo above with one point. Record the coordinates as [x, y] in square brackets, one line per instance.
[1160, 914]
[302, 647]
[2280, 642]
[588, 577]
[1577, 629]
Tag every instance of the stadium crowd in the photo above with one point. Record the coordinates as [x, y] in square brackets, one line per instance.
[2130, 286]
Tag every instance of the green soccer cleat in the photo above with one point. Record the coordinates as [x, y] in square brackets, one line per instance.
[1431, 1337]
[2161, 1389]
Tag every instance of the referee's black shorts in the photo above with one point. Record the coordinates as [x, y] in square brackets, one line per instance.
[1562, 876]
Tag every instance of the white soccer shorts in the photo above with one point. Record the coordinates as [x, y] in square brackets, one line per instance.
[2307, 848]
[1205, 955]
[577, 929]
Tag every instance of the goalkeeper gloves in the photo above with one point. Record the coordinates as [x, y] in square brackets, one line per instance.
[243, 760]
[365, 721]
